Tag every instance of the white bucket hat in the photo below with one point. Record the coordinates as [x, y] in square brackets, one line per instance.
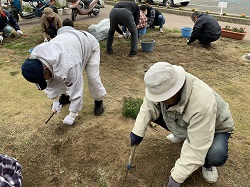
[163, 81]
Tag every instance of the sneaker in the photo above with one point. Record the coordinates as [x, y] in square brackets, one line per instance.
[132, 53]
[98, 110]
[210, 174]
[161, 30]
[174, 139]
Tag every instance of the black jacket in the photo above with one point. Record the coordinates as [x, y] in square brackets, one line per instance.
[152, 21]
[132, 6]
[206, 24]
[8, 19]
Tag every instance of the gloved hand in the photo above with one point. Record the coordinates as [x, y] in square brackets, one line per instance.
[1, 39]
[45, 40]
[173, 183]
[56, 107]
[135, 140]
[19, 32]
[128, 34]
[124, 35]
[188, 42]
[70, 119]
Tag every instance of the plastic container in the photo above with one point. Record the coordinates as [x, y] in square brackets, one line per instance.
[186, 32]
[147, 45]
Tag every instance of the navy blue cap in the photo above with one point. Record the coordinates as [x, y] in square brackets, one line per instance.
[32, 71]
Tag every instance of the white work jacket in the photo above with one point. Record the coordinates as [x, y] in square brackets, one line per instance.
[67, 55]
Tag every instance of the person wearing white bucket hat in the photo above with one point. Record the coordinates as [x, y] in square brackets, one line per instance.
[194, 114]
[50, 23]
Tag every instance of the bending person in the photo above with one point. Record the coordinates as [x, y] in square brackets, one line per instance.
[56, 67]
[125, 13]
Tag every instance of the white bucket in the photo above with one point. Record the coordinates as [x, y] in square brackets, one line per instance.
[68, 11]
[60, 11]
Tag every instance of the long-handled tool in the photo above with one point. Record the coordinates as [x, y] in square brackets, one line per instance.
[129, 165]
[63, 100]
[50, 117]
[61, 105]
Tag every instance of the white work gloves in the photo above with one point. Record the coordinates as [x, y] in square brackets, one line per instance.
[126, 35]
[45, 40]
[70, 119]
[1, 39]
[56, 107]
[19, 32]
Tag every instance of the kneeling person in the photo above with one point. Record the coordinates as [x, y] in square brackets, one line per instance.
[206, 29]
[50, 23]
[193, 112]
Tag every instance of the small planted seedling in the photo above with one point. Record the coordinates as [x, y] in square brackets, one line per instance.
[131, 107]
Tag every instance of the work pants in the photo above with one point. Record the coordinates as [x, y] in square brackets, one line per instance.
[122, 16]
[218, 152]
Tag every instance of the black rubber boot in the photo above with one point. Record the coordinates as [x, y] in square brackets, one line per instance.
[110, 51]
[64, 99]
[132, 53]
[98, 108]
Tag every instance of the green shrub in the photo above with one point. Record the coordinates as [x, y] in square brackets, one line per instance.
[27, 8]
[131, 107]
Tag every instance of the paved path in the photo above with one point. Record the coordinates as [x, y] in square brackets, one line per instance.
[172, 21]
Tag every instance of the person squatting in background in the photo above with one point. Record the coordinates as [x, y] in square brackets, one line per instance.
[57, 66]
[155, 17]
[7, 21]
[125, 13]
[206, 29]
[193, 112]
[50, 23]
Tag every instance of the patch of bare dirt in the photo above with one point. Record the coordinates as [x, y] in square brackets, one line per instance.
[95, 151]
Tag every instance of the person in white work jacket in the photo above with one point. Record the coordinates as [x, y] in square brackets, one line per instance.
[57, 66]
[193, 112]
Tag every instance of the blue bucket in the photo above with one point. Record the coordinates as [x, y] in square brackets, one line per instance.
[147, 45]
[186, 32]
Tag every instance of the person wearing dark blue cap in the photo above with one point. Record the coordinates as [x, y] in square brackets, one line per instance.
[56, 67]
[34, 71]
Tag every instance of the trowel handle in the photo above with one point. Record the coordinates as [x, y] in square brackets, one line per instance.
[131, 156]
[50, 117]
